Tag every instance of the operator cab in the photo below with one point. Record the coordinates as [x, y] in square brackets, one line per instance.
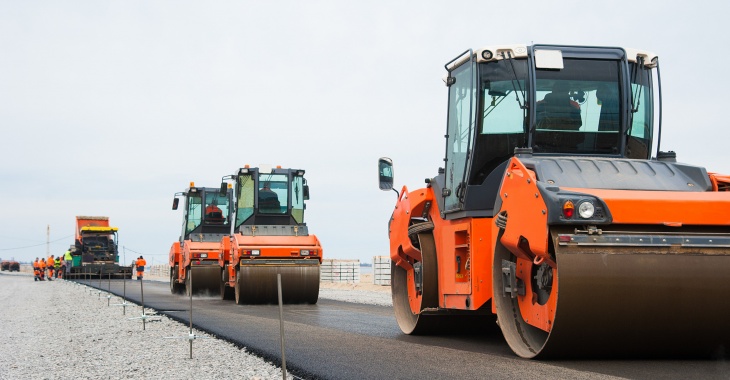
[269, 196]
[207, 213]
[97, 244]
[541, 100]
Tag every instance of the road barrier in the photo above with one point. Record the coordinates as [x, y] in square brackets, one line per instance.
[381, 270]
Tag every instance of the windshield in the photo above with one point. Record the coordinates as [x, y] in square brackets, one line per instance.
[216, 208]
[640, 134]
[577, 108]
[245, 198]
[298, 199]
[502, 117]
[194, 212]
[96, 242]
[273, 193]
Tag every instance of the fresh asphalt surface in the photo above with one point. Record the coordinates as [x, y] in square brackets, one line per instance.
[340, 340]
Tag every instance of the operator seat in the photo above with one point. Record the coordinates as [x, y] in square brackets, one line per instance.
[558, 112]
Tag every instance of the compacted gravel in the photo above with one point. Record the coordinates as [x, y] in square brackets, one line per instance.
[61, 330]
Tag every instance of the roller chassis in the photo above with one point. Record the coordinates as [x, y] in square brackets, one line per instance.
[513, 265]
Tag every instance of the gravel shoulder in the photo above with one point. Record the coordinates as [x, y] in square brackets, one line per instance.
[61, 330]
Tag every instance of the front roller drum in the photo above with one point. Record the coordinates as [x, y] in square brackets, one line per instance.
[203, 280]
[617, 301]
[256, 283]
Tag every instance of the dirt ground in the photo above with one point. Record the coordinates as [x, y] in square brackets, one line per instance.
[366, 283]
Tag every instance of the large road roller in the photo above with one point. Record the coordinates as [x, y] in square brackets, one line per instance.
[558, 214]
[268, 238]
[193, 258]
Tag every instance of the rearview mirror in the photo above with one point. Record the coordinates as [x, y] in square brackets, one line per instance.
[175, 202]
[305, 192]
[224, 189]
[385, 173]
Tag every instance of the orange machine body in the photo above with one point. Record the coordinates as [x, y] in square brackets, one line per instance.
[470, 240]
[242, 250]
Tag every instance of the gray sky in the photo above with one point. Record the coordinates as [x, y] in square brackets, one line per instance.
[109, 108]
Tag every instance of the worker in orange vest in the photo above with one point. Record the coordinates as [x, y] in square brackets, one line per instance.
[140, 263]
[50, 264]
[42, 268]
[36, 270]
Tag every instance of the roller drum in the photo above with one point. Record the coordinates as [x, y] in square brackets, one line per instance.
[624, 301]
[205, 280]
[257, 282]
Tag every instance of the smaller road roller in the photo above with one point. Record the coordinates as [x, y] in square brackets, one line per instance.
[268, 236]
[207, 219]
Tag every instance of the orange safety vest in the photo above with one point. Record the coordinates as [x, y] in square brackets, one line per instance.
[140, 264]
[50, 262]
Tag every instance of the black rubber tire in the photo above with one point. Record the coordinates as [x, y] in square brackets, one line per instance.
[174, 285]
[420, 228]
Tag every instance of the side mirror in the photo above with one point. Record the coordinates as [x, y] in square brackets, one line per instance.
[305, 192]
[175, 202]
[385, 173]
[224, 189]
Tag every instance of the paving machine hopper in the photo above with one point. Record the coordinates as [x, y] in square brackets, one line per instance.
[269, 237]
[205, 222]
[551, 213]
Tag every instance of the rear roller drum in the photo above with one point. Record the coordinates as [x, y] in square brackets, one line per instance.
[226, 292]
[204, 281]
[175, 287]
[422, 288]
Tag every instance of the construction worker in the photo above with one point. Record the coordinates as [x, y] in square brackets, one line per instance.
[36, 270]
[140, 263]
[68, 258]
[42, 269]
[268, 200]
[57, 266]
[50, 263]
[213, 214]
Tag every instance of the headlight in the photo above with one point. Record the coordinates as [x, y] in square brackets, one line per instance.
[586, 210]
[204, 255]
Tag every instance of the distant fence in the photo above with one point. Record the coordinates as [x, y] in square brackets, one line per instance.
[381, 270]
[158, 270]
[333, 270]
